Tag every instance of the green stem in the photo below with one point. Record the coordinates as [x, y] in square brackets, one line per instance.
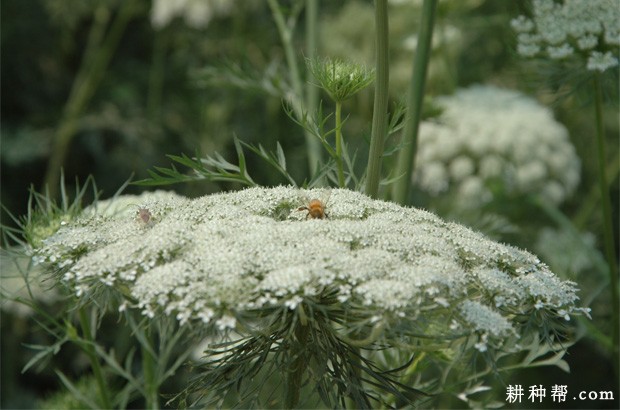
[341, 182]
[607, 219]
[286, 36]
[89, 349]
[379, 115]
[298, 367]
[312, 91]
[405, 165]
[590, 203]
[151, 386]
[96, 60]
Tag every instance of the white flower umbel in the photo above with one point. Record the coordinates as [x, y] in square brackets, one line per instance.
[589, 29]
[219, 260]
[489, 137]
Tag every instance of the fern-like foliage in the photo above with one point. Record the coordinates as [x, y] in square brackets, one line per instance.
[209, 168]
[216, 168]
[269, 82]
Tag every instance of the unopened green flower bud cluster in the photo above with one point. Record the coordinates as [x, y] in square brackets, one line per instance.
[588, 28]
[215, 260]
[340, 79]
[488, 137]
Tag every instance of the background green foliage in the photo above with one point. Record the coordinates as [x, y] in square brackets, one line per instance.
[182, 90]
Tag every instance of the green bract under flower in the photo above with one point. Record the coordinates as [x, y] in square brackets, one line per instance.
[220, 259]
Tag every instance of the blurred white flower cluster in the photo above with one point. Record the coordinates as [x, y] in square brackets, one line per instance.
[566, 252]
[195, 13]
[590, 28]
[488, 138]
[219, 259]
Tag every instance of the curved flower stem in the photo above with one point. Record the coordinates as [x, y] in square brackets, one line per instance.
[406, 159]
[92, 356]
[408, 376]
[607, 220]
[341, 181]
[374, 335]
[379, 115]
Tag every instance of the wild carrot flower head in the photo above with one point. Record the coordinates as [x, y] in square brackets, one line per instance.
[586, 28]
[488, 137]
[222, 261]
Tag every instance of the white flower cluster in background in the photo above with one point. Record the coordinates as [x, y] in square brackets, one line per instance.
[487, 136]
[195, 13]
[216, 259]
[590, 28]
[566, 251]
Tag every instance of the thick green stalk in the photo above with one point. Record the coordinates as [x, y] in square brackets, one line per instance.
[151, 386]
[341, 181]
[97, 58]
[607, 219]
[92, 356]
[379, 115]
[405, 165]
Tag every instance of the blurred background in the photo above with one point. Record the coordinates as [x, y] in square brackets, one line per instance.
[108, 88]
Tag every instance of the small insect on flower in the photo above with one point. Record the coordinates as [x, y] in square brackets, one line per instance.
[316, 208]
[145, 216]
